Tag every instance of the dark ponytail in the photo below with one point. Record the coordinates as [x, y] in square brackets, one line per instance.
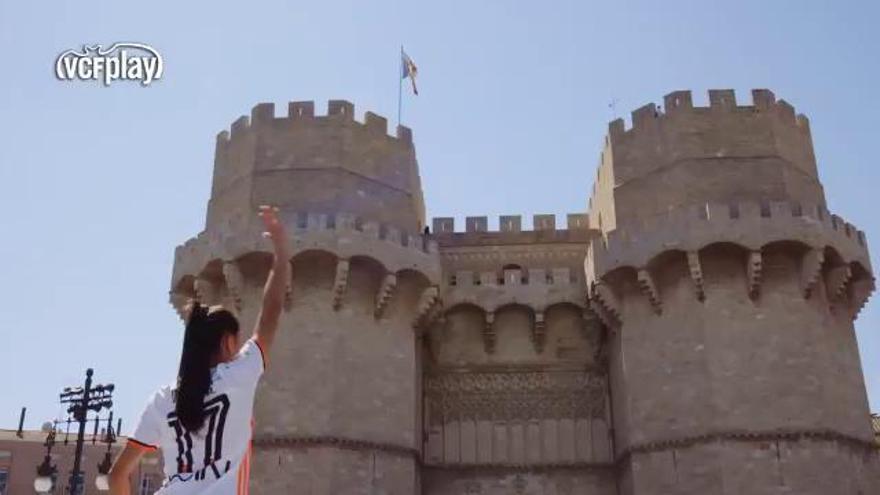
[201, 343]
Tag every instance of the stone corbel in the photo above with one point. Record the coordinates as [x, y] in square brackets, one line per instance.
[606, 299]
[649, 289]
[811, 270]
[204, 290]
[435, 314]
[386, 290]
[600, 313]
[696, 270]
[861, 292]
[489, 335]
[836, 280]
[754, 268]
[181, 303]
[234, 283]
[426, 303]
[539, 332]
[340, 282]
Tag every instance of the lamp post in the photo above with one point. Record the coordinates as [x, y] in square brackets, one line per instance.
[46, 471]
[81, 400]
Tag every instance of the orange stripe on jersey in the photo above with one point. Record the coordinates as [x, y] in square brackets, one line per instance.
[262, 352]
[247, 472]
[244, 469]
[238, 488]
[142, 445]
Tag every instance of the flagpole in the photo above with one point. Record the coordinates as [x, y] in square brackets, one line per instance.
[400, 86]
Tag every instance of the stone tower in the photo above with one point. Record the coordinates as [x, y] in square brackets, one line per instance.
[730, 293]
[690, 334]
[344, 374]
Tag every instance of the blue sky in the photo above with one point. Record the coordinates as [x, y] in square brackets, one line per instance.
[98, 185]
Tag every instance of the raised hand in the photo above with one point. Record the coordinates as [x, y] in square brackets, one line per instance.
[274, 228]
[276, 282]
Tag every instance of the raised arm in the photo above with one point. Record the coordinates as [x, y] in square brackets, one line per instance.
[276, 284]
[125, 464]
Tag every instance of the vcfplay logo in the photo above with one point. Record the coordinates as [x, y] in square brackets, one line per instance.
[120, 62]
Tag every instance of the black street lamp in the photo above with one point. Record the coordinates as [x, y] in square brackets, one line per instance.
[81, 400]
[46, 472]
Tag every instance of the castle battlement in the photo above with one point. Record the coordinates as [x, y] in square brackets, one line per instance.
[345, 235]
[749, 224]
[679, 131]
[303, 161]
[534, 288]
[510, 277]
[510, 224]
[302, 113]
[722, 102]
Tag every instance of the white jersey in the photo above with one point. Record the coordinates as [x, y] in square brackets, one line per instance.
[216, 459]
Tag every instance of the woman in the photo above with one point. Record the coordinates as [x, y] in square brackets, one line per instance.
[203, 424]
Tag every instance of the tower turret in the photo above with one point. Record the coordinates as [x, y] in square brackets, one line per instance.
[730, 291]
[338, 407]
[326, 164]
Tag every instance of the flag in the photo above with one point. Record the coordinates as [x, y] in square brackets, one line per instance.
[408, 70]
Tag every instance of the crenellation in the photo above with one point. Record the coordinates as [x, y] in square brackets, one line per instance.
[677, 101]
[645, 117]
[763, 99]
[476, 224]
[577, 221]
[544, 222]
[510, 223]
[303, 113]
[340, 108]
[239, 127]
[376, 123]
[560, 276]
[616, 129]
[263, 114]
[404, 134]
[443, 225]
[301, 110]
[342, 233]
[785, 112]
[722, 100]
[680, 103]
[727, 144]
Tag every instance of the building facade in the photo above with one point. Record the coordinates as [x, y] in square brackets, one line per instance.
[691, 333]
[21, 454]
